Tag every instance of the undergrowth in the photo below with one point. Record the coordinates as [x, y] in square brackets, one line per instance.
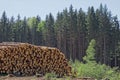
[95, 70]
[90, 68]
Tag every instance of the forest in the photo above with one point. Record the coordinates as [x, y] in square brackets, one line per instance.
[70, 31]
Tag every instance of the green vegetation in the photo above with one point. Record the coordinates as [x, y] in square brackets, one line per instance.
[70, 31]
[90, 53]
[92, 69]
[95, 70]
[50, 76]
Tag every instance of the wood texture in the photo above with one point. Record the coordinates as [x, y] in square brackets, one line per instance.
[25, 59]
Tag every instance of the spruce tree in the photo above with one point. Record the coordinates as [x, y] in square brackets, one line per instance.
[50, 34]
[81, 34]
[4, 25]
[92, 24]
[90, 52]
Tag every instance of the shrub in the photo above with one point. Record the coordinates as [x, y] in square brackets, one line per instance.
[95, 70]
[50, 76]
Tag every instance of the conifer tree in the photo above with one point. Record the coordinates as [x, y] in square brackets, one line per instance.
[92, 24]
[81, 34]
[90, 52]
[4, 25]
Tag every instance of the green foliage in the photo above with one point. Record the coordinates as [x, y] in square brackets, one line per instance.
[90, 52]
[41, 26]
[50, 76]
[70, 31]
[31, 22]
[94, 70]
[92, 24]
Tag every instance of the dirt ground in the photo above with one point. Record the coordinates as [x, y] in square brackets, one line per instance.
[21, 78]
[38, 78]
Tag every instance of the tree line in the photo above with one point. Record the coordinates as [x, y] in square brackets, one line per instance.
[71, 31]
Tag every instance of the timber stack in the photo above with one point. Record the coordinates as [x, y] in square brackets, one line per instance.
[23, 59]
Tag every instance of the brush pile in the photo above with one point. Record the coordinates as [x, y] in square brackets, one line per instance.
[25, 59]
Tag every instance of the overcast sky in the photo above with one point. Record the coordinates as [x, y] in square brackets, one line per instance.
[30, 8]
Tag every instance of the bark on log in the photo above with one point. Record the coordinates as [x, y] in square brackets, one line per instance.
[27, 59]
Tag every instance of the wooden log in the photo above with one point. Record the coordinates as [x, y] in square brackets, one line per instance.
[28, 59]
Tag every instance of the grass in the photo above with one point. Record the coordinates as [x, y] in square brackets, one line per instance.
[50, 76]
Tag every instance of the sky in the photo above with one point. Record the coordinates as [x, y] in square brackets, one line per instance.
[31, 8]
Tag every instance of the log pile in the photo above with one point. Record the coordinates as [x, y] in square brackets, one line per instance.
[24, 59]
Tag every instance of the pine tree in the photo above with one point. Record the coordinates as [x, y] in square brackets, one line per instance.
[24, 30]
[41, 33]
[92, 24]
[33, 25]
[59, 30]
[17, 30]
[50, 34]
[90, 52]
[72, 31]
[115, 48]
[66, 33]
[81, 34]
[4, 25]
[9, 30]
[104, 18]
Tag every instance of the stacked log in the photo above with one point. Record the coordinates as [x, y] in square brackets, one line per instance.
[25, 59]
